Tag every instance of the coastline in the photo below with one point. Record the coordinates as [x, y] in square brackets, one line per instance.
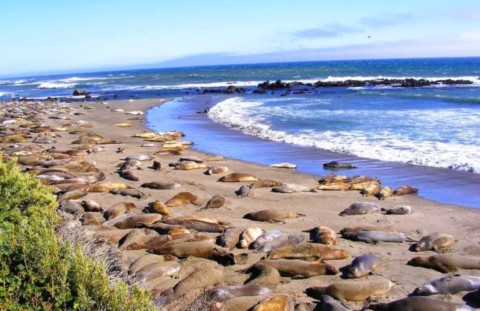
[320, 208]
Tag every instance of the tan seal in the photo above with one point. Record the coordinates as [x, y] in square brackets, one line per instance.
[238, 177]
[419, 303]
[405, 189]
[181, 198]
[262, 274]
[222, 293]
[216, 201]
[435, 241]
[119, 209]
[299, 268]
[217, 170]
[352, 290]
[271, 215]
[446, 263]
[265, 183]
[249, 236]
[279, 302]
[158, 207]
[323, 235]
[384, 193]
[371, 188]
[107, 187]
[308, 251]
[230, 237]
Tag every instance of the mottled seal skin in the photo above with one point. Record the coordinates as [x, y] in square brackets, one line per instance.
[338, 165]
[216, 201]
[160, 185]
[405, 189]
[213, 170]
[370, 189]
[198, 225]
[323, 235]
[249, 236]
[119, 209]
[265, 183]
[222, 293]
[398, 210]
[375, 236]
[271, 215]
[446, 263]
[360, 208]
[277, 302]
[418, 303]
[300, 268]
[284, 240]
[328, 303]
[262, 274]
[451, 284]
[352, 290]
[362, 266]
[308, 252]
[181, 198]
[435, 241]
[230, 237]
[238, 177]
[292, 188]
[384, 193]
[266, 237]
[244, 191]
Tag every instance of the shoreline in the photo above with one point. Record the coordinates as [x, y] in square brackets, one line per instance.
[320, 208]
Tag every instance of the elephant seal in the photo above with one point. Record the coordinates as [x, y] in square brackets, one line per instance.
[92, 218]
[367, 228]
[181, 198]
[338, 165]
[352, 290]
[216, 201]
[292, 188]
[280, 302]
[138, 239]
[238, 177]
[375, 236]
[362, 266]
[201, 249]
[328, 303]
[266, 237]
[249, 236]
[384, 193]
[130, 220]
[72, 195]
[419, 303]
[262, 274]
[339, 186]
[451, 284]
[308, 252]
[265, 183]
[129, 192]
[146, 260]
[360, 208]
[299, 268]
[230, 237]
[371, 188]
[222, 293]
[189, 165]
[282, 241]
[119, 209]
[398, 210]
[435, 241]
[271, 215]
[405, 189]
[446, 263]
[72, 207]
[195, 224]
[199, 279]
[323, 235]
[160, 185]
[158, 207]
[107, 187]
[91, 206]
[217, 170]
[154, 270]
[244, 191]
[129, 175]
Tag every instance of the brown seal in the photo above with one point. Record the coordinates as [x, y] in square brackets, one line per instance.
[92, 218]
[262, 274]
[308, 252]
[435, 241]
[156, 165]
[181, 198]
[446, 263]
[405, 189]
[72, 207]
[419, 303]
[158, 207]
[72, 195]
[137, 239]
[216, 201]
[323, 235]
[91, 206]
[129, 175]
[160, 185]
[299, 268]
[129, 192]
[119, 209]
[238, 177]
[199, 279]
[230, 237]
[198, 225]
[338, 186]
[272, 215]
[129, 221]
[280, 302]
[265, 183]
[222, 293]
[384, 193]
[154, 270]
[352, 290]
[216, 170]
[371, 189]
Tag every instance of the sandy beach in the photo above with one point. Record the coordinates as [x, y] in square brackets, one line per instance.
[320, 208]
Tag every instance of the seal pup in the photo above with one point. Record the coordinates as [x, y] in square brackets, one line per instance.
[352, 290]
[405, 189]
[249, 236]
[451, 284]
[271, 215]
[296, 268]
[375, 236]
[419, 303]
[308, 252]
[398, 210]
[244, 191]
[216, 201]
[212, 170]
[266, 237]
[292, 188]
[238, 177]
[446, 263]
[181, 198]
[323, 235]
[362, 265]
[360, 208]
[265, 183]
[282, 241]
[435, 241]
[222, 293]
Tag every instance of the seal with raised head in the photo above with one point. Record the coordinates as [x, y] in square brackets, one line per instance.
[451, 284]
[300, 268]
[222, 293]
[216, 201]
[360, 208]
[352, 290]
[272, 215]
[362, 265]
[181, 198]
[419, 303]
[238, 177]
[435, 241]
[405, 189]
[446, 263]
[308, 251]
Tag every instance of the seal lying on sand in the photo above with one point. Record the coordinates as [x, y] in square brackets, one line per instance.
[308, 252]
[419, 303]
[266, 237]
[249, 236]
[292, 188]
[223, 293]
[362, 265]
[323, 235]
[271, 215]
[238, 177]
[375, 236]
[446, 263]
[216, 201]
[360, 208]
[405, 189]
[265, 183]
[300, 268]
[230, 237]
[451, 284]
[398, 210]
[181, 198]
[435, 241]
[262, 274]
[352, 290]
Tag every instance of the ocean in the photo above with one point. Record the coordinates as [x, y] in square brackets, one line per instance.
[388, 129]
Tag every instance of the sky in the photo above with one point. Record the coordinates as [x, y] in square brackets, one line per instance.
[48, 36]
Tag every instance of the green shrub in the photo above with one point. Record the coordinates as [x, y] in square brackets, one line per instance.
[39, 271]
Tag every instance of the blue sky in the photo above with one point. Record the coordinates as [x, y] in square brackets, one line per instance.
[63, 35]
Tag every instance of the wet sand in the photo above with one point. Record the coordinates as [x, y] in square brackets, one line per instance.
[320, 208]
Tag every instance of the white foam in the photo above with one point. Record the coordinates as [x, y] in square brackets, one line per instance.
[381, 145]
[55, 85]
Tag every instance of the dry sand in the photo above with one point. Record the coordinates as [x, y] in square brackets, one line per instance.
[320, 208]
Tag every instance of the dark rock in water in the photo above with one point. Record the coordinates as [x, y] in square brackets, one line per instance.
[338, 165]
[80, 92]
[231, 89]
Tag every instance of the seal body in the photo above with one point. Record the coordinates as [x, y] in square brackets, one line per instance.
[419, 303]
[291, 188]
[375, 236]
[384, 193]
[181, 198]
[223, 293]
[398, 210]
[308, 252]
[271, 215]
[284, 240]
[244, 191]
[405, 189]
[451, 284]
[338, 165]
[362, 265]
[160, 185]
[265, 183]
[361, 208]
[300, 268]
[323, 235]
[216, 201]
[446, 263]
[217, 170]
[369, 189]
[328, 303]
[249, 236]
[238, 177]
[353, 290]
[230, 237]
[264, 275]
[266, 237]
[435, 241]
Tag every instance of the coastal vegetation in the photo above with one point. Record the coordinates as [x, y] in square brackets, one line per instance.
[42, 270]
